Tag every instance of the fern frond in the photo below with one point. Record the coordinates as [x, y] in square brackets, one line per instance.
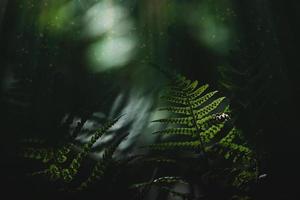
[205, 117]
[187, 92]
[243, 178]
[175, 145]
[54, 172]
[99, 133]
[213, 119]
[205, 122]
[45, 155]
[198, 92]
[62, 153]
[233, 133]
[198, 102]
[175, 92]
[101, 167]
[178, 131]
[176, 100]
[191, 87]
[211, 132]
[181, 121]
[237, 148]
[209, 108]
[57, 158]
[181, 82]
[76, 162]
[177, 110]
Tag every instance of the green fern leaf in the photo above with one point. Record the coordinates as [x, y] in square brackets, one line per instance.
[181, 81]
[207, 109]
[102, 165]
[205, 119]
[181, 121]
[177, 110]
[205, 122]
[176, 100]
[175, 145]
[198, 92]
[233, 133]
[45, 155]
[99, 133]
[191, 87]
[211, 132]
[238, 148]
[75, 164]
[198, 102]
[178, 131]
[175, 92]
[57, 158]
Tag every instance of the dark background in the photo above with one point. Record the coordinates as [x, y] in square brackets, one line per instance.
[56, 78]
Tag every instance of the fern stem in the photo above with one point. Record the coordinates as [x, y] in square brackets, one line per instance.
[196, 126]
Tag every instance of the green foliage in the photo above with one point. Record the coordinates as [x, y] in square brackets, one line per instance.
[101, 166]
[201, 122]
[63, 163]
[202, 119]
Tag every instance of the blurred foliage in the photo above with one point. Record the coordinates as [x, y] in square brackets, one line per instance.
[82, 62]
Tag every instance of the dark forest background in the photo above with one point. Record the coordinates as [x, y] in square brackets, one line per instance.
[97, 56]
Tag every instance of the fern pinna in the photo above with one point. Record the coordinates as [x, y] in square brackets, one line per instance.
[63, 168]
[202, 117]
[205, 122]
